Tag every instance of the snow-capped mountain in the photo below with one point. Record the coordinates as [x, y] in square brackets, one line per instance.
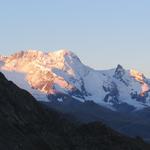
[58, 73]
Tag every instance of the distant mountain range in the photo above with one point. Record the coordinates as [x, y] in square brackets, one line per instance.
[120, 98]
[48, 75]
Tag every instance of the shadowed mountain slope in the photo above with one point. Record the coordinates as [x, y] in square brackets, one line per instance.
[26, 125]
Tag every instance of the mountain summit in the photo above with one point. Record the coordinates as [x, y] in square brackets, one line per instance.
[119, 72]
[62, 73]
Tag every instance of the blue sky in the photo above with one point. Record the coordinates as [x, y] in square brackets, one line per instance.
[102, 33]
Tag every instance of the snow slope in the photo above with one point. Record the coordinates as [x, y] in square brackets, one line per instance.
[20, 80]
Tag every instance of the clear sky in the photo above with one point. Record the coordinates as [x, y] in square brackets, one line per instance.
[103, 33]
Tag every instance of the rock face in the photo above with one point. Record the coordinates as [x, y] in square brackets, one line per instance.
[62, 72]
[26, 125]
[119, 72]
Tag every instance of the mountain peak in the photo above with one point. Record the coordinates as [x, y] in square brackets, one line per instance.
[65, 55]
[63, 52]
[119, 72]
[119, 66]
[60, 55]
[44, 70]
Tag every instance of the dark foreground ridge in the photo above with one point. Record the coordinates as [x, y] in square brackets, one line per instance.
[26, 125]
